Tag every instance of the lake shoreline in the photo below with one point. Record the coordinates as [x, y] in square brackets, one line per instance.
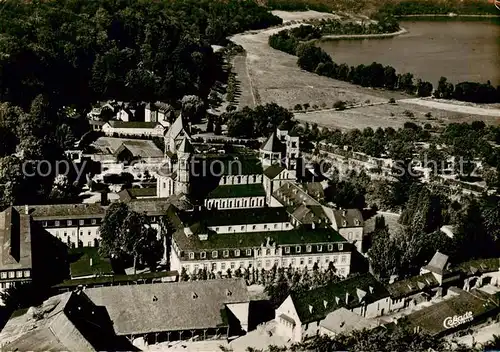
[329, 37]
[427, 16]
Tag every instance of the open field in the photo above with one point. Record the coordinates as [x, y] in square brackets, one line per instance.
[273, 76]
[380, 116]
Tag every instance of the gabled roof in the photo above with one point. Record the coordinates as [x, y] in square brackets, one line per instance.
[176, 128]
[237, 191]
[412, 285]
[273, 144]
[186, 147]
[273, 171]
[343, 320]
[139, 309]
[15, 240]
[348, 218]
[237, 216]
[337, 295]
[51, 330]
[438, 263]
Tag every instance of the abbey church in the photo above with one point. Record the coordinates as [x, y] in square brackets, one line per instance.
[251, 213]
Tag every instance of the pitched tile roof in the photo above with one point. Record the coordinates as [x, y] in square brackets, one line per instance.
[138, 309]
[348, 218]
[256, 239]
[273, 171]
[237, 216]
[51, 330]
[15, 240]
[343, 320]
[335, 295]
[438, 263]
[412, 285]
[66, 211]
[236, 191]
[431, 319]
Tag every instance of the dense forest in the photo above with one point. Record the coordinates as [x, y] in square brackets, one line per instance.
[57, 58]
[397, 7]
[79, 51]
[314, 59]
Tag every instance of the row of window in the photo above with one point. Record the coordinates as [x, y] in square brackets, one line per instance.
[15, 274]
[81, 222]
[237, 203]
[254, 227]
[268, 251]
[73, 233]
[268, 264]
[237, 180]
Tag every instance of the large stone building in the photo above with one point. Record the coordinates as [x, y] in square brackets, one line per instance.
[15, 250]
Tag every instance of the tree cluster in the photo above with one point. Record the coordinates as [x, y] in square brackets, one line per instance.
[397, 339]
[425, 7]
[79, 51]
[314, 59]
[258, 122]
[128, 235]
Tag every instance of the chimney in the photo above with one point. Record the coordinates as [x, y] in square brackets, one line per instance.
[91, 262]
[347, 298]
[26, 209]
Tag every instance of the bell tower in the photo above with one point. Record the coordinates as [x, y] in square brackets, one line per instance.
[184, 155]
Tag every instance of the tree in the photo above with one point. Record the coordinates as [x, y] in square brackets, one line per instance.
[444, 89]
[128, 234]
[310, 56]
[390, 77]
[210, 125]
[193, 108]
[184, 275]
[424, 88]
[218, 128]
[384, 254]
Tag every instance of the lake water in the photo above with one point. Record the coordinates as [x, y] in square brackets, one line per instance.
[459, 50]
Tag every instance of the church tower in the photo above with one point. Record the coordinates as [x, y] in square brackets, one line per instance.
[184, 155]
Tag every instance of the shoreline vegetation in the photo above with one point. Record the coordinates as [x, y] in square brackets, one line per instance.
[299, 41]
[395, 7]
[328, 37]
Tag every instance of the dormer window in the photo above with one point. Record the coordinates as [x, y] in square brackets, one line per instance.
[341, 246]
[265, 227]
[70, 222]
[344, 223]
[287, 250]
[94, 221]
[356, 222]
[214, 254]
[57, 223]
[268, 252]
[308, 248]
[236, 252]
[203, 255]
[45, 224]
[330, 247]
[225, 253]
[249, 252]
[191, 255]
[297, 249]
[82, 222]
[319, 248]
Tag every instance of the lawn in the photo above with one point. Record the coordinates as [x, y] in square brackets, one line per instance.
[87, 261]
